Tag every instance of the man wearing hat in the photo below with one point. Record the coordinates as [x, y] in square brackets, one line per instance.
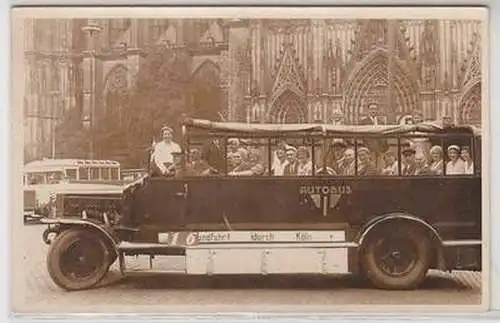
[455, 166]
[162, 156]
[335, 154]
[408, 166]
[175, 169]
[373, 117]
[292, 164]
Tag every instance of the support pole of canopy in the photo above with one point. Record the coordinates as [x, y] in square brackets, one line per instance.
[392, 109]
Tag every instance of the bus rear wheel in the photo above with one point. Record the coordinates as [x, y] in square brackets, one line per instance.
[397, 257]
[78, 259]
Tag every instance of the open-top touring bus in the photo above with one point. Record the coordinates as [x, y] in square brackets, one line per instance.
[386, 203]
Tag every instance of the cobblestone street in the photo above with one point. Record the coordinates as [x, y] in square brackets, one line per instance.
[35, 291]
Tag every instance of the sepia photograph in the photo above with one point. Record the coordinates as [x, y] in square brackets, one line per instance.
[234, 160]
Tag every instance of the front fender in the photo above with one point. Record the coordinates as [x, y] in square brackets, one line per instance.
[59, 225]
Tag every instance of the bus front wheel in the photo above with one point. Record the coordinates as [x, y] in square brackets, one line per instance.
[396, 257]
[78, 259]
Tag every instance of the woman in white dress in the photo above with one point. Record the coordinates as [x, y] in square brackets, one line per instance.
[436, 165]
[456, 166]
[304, 167]
[279, 162]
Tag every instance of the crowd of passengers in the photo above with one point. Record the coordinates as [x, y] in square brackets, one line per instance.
[289, 160]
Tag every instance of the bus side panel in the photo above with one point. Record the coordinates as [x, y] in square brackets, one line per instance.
[452, 205]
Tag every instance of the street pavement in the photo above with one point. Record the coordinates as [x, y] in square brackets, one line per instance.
[34, 291]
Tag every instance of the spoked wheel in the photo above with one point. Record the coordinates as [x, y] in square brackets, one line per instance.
[78, 259]
[396, 258]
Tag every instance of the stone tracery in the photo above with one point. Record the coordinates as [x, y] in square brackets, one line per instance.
[275, 70]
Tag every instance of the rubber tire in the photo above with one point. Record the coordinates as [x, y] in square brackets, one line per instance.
[60, 243]
[412, 279]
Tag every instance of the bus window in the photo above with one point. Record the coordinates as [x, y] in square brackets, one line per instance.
[293, 157]
[84, 173]
[114, 174]
[36, 178]
[366, 164]
[278, 157]
[95, 173]
[71, 174]
[54, 177]
[204, 158]
[390, 163]
[338, 157]
[459, 159]
[105, 173]
[247, 157]
[421, 156]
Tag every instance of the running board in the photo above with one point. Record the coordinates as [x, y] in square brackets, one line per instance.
[461, 243]
[138, 248]
[148, 272]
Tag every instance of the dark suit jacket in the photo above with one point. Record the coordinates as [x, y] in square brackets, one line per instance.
[368, 121]
[291, 169]
[408, 171]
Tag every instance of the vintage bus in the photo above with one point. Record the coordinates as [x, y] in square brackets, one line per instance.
[386, 203]
[45, 178]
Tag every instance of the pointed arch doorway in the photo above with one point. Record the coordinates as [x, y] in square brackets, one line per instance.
[288, 108]
[374, 80]
[207, 94]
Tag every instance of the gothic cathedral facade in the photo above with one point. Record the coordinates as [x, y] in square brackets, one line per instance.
[284, 71]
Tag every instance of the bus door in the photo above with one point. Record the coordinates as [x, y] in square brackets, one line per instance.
[164, 202]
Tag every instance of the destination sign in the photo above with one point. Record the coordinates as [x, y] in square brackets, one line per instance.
[184, 238]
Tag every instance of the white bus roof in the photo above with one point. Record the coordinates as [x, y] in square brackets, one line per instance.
[47, 165]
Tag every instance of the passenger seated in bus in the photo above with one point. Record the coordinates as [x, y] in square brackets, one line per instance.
[390, 164]
[239, 166]
[255, 162]
[467, 158]
[175, 170]
[292, 164]
[421, 166]
[304, 163]
[335, 154]
[436, 156]
[233, 144]
[456, 166]
[408, 166]
[200, 166]
[365, 164]
[348, 165]
[279, 161]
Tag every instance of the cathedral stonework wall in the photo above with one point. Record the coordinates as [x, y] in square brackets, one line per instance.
[263, 70]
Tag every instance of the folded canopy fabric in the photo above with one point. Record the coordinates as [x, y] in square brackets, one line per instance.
[268, 129]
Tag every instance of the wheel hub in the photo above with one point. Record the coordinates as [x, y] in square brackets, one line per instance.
[395, 256]
[81, 259]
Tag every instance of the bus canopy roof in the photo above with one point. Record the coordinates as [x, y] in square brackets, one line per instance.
[48, 165]
[267, 129]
